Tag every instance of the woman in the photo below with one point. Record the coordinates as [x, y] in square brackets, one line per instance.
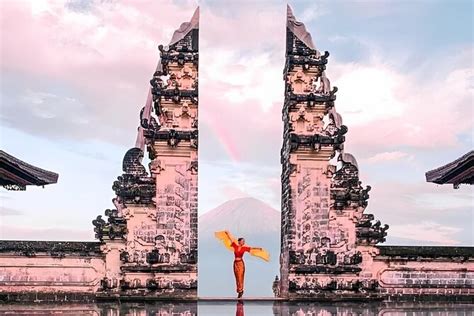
[239, 248]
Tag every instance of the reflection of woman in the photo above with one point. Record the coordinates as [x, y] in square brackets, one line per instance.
[239, 248]
[239, 311]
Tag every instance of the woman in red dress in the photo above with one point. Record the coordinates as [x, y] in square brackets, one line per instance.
[240, 248]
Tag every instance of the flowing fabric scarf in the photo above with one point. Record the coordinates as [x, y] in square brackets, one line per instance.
[227, 241]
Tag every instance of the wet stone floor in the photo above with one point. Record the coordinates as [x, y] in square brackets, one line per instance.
[245, 308]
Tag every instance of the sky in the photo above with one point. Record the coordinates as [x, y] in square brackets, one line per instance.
[74, 75]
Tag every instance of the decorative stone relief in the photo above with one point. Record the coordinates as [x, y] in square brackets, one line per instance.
[186, 78]
[300, 82]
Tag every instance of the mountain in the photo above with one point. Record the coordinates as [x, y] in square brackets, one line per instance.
[259, 224]
[243, 216]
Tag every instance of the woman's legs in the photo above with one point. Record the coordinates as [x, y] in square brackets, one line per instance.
[239, 272]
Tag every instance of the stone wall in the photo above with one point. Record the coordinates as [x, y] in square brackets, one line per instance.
[64, 270]
[424, 271]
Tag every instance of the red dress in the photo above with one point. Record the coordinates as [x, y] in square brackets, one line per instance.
[239, 266]
[239, 253]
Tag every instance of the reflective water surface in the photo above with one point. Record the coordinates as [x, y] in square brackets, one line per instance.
[247, 308]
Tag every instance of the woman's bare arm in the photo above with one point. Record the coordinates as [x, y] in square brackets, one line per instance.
[228, 236]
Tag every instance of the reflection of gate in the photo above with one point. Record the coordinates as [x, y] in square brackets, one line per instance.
[231, 307]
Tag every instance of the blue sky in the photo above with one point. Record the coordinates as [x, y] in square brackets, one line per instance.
[74, 77]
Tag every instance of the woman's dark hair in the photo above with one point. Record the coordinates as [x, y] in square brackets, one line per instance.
[240, 239]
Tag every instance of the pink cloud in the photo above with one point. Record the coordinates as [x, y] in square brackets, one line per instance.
[50, 233]
[389, 156]
[427, 231]
[232, 192]
[421, 114]
[104, 56]
[260, 23]
[65, 41]
[384, 109]
[415, 209]
[108, 52]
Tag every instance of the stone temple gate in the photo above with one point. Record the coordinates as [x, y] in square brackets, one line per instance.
[328, 243]
[147, 244]
[326, 238]
[153, 230]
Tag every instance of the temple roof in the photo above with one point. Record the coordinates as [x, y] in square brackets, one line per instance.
[459, 171]
[185, 28]
[16, 174]
[336, 117]
[348, 158]
[298, 28]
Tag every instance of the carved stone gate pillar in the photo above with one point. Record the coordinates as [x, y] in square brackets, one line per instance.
[325, 237]
[151, 236]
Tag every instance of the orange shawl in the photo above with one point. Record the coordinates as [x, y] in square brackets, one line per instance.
[227, 241]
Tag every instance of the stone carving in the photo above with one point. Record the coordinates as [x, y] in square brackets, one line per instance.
[115, 228]
[347, 190]
[183, 117]
[312, 286]
[317, 141]
[174, 137]
[276, 287]
[148, 123]
[156, 166]
[193, 167]
[187, 78]
[134, 185]
[302, 121]
[300, 83]
[312, 99]
[322, 204]
[369, 233]
[176, 201]
[334, 126]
